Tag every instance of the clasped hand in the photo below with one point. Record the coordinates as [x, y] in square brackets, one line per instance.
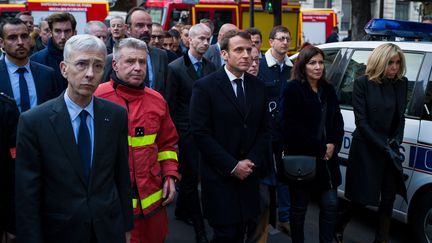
[244, 169]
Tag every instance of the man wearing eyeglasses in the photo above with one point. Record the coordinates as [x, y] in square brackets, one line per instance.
[275, 71]
[72, 176]
[157, 39]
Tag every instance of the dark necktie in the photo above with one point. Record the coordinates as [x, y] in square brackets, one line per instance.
[199, 69]
[24, 93]
[240, 94]
[84, 144]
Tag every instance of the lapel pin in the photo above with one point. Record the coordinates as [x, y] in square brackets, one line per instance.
[106, 119]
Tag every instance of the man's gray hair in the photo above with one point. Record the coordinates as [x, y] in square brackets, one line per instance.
[195, 29]
[118, 17]
[83, 42]
[87, 28]
[128, 43]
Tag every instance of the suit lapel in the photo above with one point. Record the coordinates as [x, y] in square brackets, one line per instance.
[37, 82]
[155, 62]
[227, 89]
[5, 83]
[190, 69]
[61, 123]
[249, 91]
[101, 122]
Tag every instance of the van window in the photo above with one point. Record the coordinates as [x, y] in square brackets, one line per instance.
[357, 68]
[427, 108]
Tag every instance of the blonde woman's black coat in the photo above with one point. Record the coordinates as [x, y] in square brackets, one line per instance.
[373, 106]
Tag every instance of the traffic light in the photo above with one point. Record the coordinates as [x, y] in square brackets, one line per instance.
[267, 5]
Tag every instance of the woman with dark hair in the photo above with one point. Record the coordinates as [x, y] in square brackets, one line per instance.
[306, 100]
[374, 170]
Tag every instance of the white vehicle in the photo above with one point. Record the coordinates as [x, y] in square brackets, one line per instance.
[345, 62]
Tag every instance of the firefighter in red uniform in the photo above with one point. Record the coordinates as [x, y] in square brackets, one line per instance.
[152, 140]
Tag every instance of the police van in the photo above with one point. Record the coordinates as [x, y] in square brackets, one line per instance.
[345, 62]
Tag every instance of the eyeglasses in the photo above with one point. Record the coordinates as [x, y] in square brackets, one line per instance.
[283, 39]
[81, 66]
[256, 59]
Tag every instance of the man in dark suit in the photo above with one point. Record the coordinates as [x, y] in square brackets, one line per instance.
[228, 119]
[182, 74]
[72, 176]
[214, 52]
[28, 82]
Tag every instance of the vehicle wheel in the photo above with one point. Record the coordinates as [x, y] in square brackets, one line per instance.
[422, 219]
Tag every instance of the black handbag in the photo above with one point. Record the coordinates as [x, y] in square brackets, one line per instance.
[299, 167]
[303, 167]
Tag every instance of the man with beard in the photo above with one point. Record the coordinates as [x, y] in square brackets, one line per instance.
[182, 74]
[140, 27]
[152, 141]
[62, 26]
[29, 84]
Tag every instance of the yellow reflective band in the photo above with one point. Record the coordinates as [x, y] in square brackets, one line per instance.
[134, 202]
[141, 141]
[150, 200]
[167, 155]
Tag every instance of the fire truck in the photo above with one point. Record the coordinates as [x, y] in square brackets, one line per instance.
[83, 10]
[317, 24]
[10, 10]
[170, 12]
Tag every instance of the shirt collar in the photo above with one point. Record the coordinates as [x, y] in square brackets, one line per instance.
[13, 68]
[193, 59]
[75, 110]
[271, 61]
[231, 76]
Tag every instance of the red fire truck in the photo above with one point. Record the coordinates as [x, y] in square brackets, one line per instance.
[170, 12]
[83, 10]
[317, 24]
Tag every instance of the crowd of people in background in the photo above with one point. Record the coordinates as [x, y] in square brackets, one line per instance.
[186, 107]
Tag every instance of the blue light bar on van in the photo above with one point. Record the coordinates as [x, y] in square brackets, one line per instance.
[397, 28]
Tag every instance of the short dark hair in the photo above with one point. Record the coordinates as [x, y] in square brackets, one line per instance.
[231, 34]
[61, 17]
[254, 31]
[12, 21]
[167, 34]
[277, 29]
[299, 70]
[174, 33]
[131, 11]
[27, 13]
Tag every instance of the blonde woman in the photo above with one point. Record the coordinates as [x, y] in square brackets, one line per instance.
[374, 171]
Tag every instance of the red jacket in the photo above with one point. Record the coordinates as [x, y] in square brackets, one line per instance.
[152, 141]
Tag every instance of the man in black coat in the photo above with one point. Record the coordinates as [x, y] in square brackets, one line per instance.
[182, 74]
[228, 117]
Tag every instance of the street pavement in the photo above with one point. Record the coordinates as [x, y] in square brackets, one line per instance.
[359, 230]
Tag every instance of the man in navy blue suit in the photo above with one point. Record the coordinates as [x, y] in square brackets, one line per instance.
[28, 82]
